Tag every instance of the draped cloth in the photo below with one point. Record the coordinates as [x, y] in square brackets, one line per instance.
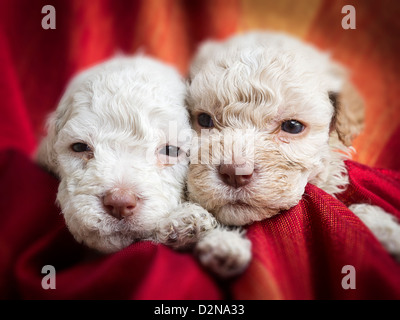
[299, 254]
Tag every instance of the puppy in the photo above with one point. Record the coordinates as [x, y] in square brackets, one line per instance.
[118, 143]
[272, 114]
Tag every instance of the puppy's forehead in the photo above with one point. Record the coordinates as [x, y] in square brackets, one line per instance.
[129, 100]
[256, 84]
[117, 117]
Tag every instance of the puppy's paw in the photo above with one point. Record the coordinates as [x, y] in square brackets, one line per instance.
[226, 253]
[382, 224]
[184, 226]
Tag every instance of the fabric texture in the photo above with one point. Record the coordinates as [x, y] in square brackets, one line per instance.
[301, 253]
[298, 254]
[33, 235]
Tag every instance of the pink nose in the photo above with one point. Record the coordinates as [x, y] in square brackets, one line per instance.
[235, 175]
[120, 203]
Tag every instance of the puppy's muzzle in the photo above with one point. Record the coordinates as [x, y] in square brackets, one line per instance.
[120, 204]
[236, 175]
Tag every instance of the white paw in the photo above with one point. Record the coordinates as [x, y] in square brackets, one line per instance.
[184, 226]
[383, 225]
[226, 253]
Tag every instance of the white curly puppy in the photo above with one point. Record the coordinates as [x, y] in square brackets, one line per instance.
[118, 142]
[273, 114]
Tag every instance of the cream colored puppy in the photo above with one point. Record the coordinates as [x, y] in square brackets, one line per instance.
[118, 142]
[272, 114]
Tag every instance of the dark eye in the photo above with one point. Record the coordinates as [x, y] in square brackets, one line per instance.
[292, 126]
[170, 151]
[205, 120]
[80, 147]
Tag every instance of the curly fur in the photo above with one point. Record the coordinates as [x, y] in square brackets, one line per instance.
[250, 84]
[125, 110]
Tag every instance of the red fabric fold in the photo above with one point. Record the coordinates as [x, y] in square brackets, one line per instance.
[302, 251]
[33, 234]
[298, 254]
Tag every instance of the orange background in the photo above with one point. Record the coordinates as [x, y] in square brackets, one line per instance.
[37, 64]
[91, 31]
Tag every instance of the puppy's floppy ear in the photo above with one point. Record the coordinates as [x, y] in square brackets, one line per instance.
[46, 155]
[348, 117]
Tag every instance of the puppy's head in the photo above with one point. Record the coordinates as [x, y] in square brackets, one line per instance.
[269, 112]
[117, 141]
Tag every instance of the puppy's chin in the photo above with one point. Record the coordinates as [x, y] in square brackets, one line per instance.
[239, 214]
[103, 243]
[104, 233]
[266, 196]
[91, 225]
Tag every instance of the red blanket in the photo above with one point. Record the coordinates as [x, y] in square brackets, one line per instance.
[299, 254]
[33, 235]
